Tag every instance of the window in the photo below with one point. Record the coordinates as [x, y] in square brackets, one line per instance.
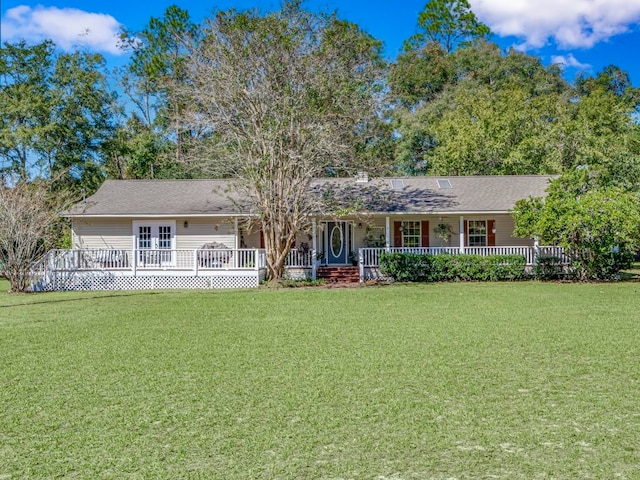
[410, 234]
[477, 234]
[144, 237]
[164, 237]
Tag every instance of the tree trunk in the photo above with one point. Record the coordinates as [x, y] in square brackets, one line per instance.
[278, 243]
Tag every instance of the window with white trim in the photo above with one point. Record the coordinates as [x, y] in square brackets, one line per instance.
[477, 233]
[411, 234]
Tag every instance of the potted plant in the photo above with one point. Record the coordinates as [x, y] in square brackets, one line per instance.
[444, 232]
[353, 258]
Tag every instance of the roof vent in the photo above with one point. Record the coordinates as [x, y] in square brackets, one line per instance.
[362, 177]
[397, 184]
[444, 183]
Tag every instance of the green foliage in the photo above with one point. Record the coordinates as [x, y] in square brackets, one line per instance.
[136, 150]
[487, 113]
[154, 77]
[449, 23]
[479, 111]
[599, 226]
[413, 267]
[419, 75]
[56, 114]
[549, 268]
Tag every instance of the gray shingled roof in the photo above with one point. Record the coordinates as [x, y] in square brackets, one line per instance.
[420, 195]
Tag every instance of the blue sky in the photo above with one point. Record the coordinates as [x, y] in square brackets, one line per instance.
[583, 35]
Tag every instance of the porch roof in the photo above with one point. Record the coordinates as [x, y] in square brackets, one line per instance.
[398, 195]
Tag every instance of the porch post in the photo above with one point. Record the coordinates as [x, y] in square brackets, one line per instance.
[237, 242]
[134, 264]
[536, 250]
[462, 234]
[314, 248]
[387, 234]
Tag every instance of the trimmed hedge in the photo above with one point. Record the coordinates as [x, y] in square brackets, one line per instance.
[414, 267]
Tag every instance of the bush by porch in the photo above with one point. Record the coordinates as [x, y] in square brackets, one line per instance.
[417, 267]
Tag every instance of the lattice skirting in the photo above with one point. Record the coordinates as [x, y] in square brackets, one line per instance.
[87, 281]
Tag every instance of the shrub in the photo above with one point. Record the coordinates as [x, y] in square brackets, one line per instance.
[548, 268]
[404, 267]
[597, 224]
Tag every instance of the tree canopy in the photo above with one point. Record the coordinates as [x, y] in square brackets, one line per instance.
[448, 23]
[56, 113]
[279, 100]
[495, 114]
[597, 223]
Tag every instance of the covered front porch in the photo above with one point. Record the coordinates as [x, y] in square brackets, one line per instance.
[142, 269]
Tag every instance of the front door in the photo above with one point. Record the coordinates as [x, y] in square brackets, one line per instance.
[337, 242]
[154, 243]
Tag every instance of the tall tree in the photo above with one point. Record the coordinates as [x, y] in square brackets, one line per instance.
[55, 113]
[284, 98]
[81, 120]
[136, 151]
[157, 70]
[508, 114]
[419, 75]
[496, 114]
[448, 23]
[24, 104]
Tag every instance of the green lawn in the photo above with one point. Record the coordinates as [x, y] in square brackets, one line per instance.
[448, 381]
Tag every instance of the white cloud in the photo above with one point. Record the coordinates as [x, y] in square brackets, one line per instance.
[570, 23]
[569, 61]
[67, 27]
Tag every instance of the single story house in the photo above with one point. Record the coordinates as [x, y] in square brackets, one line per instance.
[138, 234]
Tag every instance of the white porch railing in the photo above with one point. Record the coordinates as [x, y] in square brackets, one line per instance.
[557, 252]
[139, 259]
[370, 257]
[299, 258]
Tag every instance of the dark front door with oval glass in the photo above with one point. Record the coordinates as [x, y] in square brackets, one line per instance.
[337, 242]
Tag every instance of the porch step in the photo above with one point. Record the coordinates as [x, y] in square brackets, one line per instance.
[339, 274]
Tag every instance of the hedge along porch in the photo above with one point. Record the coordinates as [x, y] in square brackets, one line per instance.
[192, 233]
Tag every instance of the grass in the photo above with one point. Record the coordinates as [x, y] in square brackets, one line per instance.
[464, 381]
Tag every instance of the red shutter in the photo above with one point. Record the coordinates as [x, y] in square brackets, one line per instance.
[397, 234]
[424, 227]
[466, 233]
[261, 238]
[491, 236]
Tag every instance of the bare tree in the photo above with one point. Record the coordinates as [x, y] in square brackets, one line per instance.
[29, 223]
[281, 99]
